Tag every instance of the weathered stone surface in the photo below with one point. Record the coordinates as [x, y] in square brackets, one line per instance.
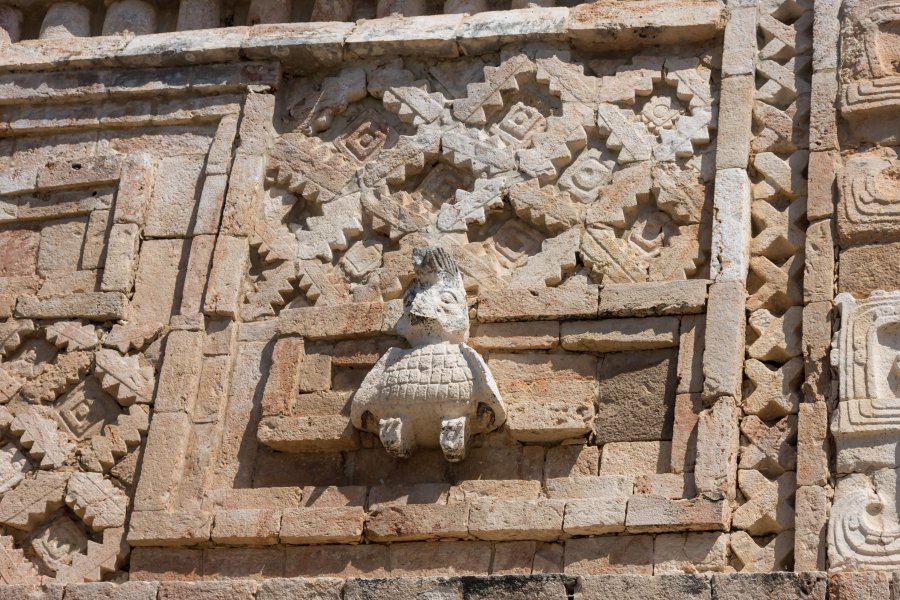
[637, 398]
[616, 335]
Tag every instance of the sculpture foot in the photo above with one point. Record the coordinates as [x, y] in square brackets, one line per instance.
[454, 433]
[395, 436]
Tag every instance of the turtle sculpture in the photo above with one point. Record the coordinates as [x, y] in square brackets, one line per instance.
[439, 392]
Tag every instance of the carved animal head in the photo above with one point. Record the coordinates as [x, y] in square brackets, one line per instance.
[434, 308]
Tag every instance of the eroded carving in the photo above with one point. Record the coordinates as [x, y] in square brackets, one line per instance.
[440, 392]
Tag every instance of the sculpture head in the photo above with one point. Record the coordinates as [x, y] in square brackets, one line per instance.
[434, 308]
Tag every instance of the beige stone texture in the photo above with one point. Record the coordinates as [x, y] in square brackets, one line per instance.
[812, 444]
[246, 527]
[811, 505]
[427, 559]
[684, 432]
[571, 461]
[653, 298]
[509, 337]
[856, 585]
[493, 519]
[862, 269]
[636, 401]
[617, 335]
[413, 522]
[623, 586]
[545, 304]
[690, 553]
[722, 368]
[736, 102]
[609, 555]
[548, 396]
[718, 438]
[635, 458]
[322, 525]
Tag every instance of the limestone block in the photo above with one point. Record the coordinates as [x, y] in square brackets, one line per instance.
[425, 559]
[243, 563]
[246, 527]
[816, 340]
[812, 444]
[410, 522]
[730, 259]
[326, 525]
[609, 555]
[818, 275]
[823, 167]
[153, 528]
[571, 461]
[320, 588]
[466, 491]
[64, 20]
[690, 553]
[10, 25]
[771, 447]
[485, 32]
[163, 461]
[493, 519]
[850, 585]
[118, 272]
[203, 590]
[655, 513]
[811, 506]
[594, 505]
[331, 10]
[684, 432]
[670, 586]
[736, 107]
[718, 439]
[179, 377]
[230, 263]
[199, 14]
[320, 433]
[269, 11]
[98, 306]
[128, 590]
[675, 486]
[564, 302]
[769, 586]
[132, 16]
[170, 564]
[617, 335]
[506, 337]
[548, 396]
[653, 298]
[283, 380]
[174, 193]
[61, 246]
[740, 43]
[635, 458]
[863, 269]
[637, 396]
[722, 368]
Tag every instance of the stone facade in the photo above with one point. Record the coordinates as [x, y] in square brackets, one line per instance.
[662, 236]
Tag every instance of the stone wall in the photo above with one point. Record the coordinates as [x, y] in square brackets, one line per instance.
[661, 213]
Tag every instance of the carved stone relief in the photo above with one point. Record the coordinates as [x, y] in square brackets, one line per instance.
[440, 391]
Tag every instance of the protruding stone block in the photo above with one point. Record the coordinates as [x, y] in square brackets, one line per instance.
[130, 16]
[65, 20]
[199, 14]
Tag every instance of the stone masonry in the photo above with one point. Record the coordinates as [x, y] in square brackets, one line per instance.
[427, 299]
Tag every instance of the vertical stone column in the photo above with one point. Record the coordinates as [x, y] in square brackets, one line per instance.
[135, 16]
[465, 6]
[407, 8]
[10, 25]
[332, 10]
[199, 14]
[269, 11]
[65, 20]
